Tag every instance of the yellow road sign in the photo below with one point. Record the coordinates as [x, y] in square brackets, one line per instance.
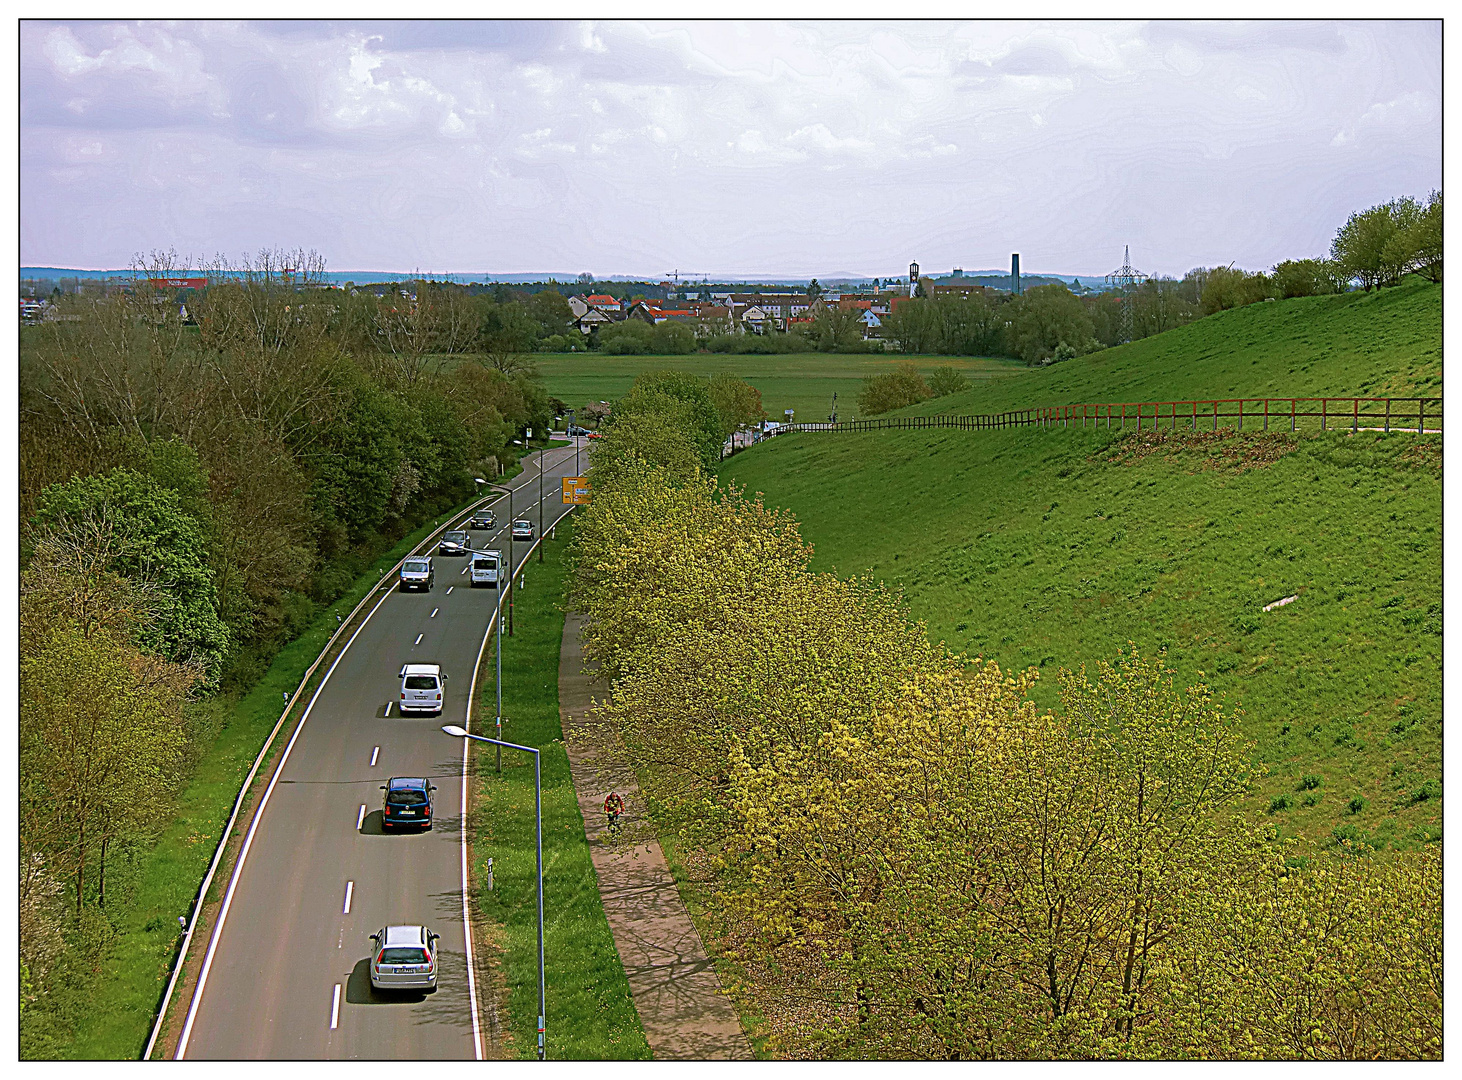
[575, 490]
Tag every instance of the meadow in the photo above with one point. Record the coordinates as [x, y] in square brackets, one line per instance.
[804, 382]
[1055, 548]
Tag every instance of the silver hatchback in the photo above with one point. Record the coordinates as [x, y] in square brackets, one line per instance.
[405, 958]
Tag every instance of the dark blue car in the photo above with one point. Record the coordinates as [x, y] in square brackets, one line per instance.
[407, 803]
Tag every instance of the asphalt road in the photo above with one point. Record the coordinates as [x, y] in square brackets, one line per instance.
[287, 971]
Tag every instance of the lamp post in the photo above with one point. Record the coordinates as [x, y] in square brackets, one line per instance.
[499, 635]
[541, 451]
[462, 733]
[573, 423]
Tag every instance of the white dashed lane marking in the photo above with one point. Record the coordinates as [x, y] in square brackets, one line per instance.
[434, 612]
[374, 753]
[360, 818]
[335, 1009]
[349, 891]
[417, 641]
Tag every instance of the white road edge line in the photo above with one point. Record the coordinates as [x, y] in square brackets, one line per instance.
[335, 1009]
[349, 891]
[249, 839]
[375, 752]
[360, 818]
[466, 915]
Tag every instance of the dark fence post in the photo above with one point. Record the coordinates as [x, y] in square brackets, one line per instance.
[1266, 414]
[1388, 416]
[1355, 422]
[1241, 414]
[1421, 416]
[1323, 404]
[1215, 416]
[1291, 415]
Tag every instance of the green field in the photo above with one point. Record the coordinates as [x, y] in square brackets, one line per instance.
[805, 382]
[1056, 547]
[590, 1013]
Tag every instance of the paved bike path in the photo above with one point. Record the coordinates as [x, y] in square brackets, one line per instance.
[674, 984]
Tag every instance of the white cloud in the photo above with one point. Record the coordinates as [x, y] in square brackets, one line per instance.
[969, 140]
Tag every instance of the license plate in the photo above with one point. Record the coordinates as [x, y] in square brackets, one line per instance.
[407, 813]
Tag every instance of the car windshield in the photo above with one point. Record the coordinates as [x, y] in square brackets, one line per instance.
[522, 525]
[484, 564]
[421, 682]
[417, 566]
[455, 537]
[407, 797]
[396, 955]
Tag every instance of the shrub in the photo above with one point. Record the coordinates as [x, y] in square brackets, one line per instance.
[947, 380]
[897, 389]
[1280, 802]
[1309, 783]
[1432, 789]
[1356, 805]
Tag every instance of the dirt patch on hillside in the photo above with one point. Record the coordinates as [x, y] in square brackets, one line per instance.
[1226, 449]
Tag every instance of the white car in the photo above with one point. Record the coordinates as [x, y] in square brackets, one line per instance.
[405, 958]
[417, 573]
[486, 568]
[422, 686]
[522, 529]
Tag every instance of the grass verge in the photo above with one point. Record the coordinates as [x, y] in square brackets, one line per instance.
[590, 1013]
[161, 882]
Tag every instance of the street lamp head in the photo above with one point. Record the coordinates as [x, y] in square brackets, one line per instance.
[478, 480]
[455, 731]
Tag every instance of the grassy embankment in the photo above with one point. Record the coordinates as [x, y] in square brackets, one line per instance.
[1055, 548]
[590, 1013]
[805, 382]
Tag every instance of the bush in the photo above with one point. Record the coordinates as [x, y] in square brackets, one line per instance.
[1309, 783]
[947, 380]
[1430, 790]
[894, 390]
[1280, 802]
[1356, 805]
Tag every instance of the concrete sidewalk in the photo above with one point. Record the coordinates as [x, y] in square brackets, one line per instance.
[673, 982]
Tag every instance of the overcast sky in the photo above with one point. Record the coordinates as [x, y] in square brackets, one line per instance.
[726, 148]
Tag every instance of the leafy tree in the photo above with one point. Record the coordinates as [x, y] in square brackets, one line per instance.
[1301, 277]
[737, 402]
[972, 326]
[947, 380]
[1043, 318]
[835, 327]
[632, 337]
[137, 528]
[551, 311]
[915, 326]
[658, 390]
[892, 390]
[814, 290]
[672, 339]
[1360, 245]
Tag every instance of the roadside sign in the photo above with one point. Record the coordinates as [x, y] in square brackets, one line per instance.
[575, 490]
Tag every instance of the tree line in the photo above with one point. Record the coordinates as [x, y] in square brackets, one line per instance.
[193, 491]
[910, 860]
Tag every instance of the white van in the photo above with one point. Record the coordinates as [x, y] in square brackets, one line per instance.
[486, 567]
[422, 688]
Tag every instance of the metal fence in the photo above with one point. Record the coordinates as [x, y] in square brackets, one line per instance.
[1420, 415]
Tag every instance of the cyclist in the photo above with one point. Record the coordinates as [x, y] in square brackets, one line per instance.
[613, 807]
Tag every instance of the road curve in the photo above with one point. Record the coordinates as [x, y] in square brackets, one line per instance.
[286, 971]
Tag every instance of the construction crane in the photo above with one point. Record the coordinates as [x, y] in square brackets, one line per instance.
[674, 275]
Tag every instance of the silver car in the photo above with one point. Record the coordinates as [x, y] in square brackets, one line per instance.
[405, 958]
[417, 573]
[522, 529]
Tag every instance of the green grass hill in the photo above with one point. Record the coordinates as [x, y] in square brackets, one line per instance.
[1379, 344]
[1054, 548]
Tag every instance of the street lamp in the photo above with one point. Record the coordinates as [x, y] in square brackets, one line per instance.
[462, 733]
[541, 451]
[573, 423]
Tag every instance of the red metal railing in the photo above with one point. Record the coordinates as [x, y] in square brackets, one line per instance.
[1419, 415]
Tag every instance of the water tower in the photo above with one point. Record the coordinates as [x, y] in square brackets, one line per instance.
[913, 278]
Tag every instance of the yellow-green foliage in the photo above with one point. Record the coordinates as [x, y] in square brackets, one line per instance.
[912, 860]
